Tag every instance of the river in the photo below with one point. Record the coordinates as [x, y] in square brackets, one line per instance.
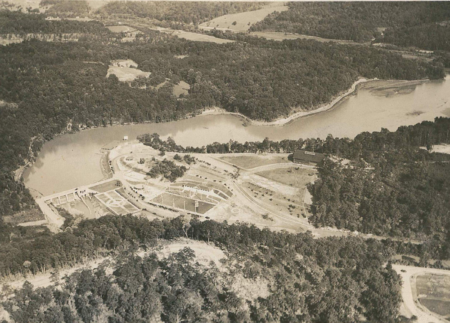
[73, 160]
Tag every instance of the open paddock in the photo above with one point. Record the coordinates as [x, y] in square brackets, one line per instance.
[295, 176]
[182, 203]
[241, 22]
[277, 201]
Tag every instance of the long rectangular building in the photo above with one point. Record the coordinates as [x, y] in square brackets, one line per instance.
[304, 156]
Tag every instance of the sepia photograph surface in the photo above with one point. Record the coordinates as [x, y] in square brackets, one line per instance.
[224, 161]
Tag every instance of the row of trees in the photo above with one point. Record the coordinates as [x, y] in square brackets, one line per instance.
[325, 280]
[367, 146]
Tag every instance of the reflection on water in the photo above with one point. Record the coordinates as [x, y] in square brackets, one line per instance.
[72, 160]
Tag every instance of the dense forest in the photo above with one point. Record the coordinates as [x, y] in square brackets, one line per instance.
[392, 187]
[325, 280]
[428, 36]
[356, 21]
[259, 78]
[16, 22]
[192, 12]
[66, 8]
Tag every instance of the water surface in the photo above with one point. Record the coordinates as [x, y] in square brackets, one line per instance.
[72, 160]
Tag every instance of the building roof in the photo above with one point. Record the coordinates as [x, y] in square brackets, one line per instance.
[308, 156]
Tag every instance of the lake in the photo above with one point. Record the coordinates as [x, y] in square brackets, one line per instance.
[72, 160]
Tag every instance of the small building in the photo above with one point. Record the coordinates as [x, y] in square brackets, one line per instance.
[308, 157]
[125, 137]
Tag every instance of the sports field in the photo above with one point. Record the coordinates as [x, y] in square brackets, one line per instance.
[433, 292]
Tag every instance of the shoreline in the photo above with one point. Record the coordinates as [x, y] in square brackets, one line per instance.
[360, 83]
[280, 122]
[297, 115]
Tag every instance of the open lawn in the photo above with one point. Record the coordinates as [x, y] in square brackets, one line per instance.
[120, 29]
[433, 292]
[240, 22]
[126, 74]
[249, 162]
[194, 36]
[181, 88]
[280, 36]
[105, 187]
[296, 176]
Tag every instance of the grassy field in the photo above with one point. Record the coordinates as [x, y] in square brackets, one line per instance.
[181, 88]
[434, 293]
[249, 162]
[120, 29]
[436, 306]
[105, 187]
[296, 177]
[280, 36]
[126, 74]
[240, 22]
[199, 37]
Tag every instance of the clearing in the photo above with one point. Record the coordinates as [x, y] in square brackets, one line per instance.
[120, 29]
[295, 176]
[126, 70]
[240, 22]
[442, 149]
[252, 161]
[279, 36]
[181, 88]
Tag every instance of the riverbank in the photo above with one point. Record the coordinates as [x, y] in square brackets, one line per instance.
[380, 87]
[295, 115]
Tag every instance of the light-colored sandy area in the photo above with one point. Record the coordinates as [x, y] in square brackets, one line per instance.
[243, 20]
[126, 74]
[204, 253]
[411, 306]
[442, 149]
